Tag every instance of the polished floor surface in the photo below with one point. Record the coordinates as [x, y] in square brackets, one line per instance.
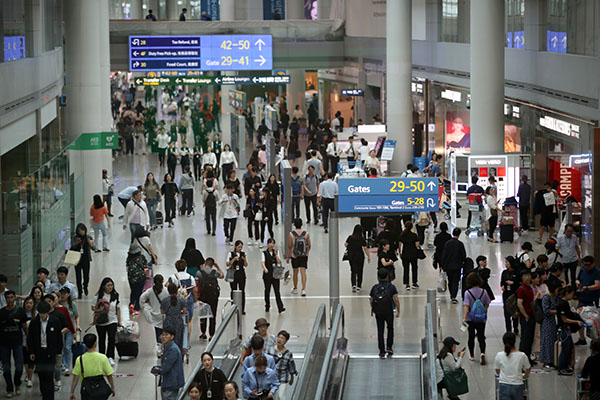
[134, 381]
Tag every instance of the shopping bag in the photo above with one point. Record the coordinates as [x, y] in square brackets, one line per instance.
[72, 258]
[430, 236]
[442, 282]
[229, 275]
[278, 271]
[203, 310]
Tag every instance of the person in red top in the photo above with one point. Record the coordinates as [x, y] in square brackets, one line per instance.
[99, 213]
[525, 296]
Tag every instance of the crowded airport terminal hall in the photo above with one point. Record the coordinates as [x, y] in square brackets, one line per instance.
[300, 199]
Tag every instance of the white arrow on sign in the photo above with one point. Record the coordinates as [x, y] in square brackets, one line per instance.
[135, 53]
[431, 185]
[138, 81]
[261, 60]
[177, 80]
[136, 64]
[430, 203]
[135, 42]
[254, 79]
[260, 44]
[217, 80]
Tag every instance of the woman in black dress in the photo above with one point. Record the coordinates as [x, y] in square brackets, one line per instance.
[409, 255]
[84, 244]
[386, 258]
[192, 256]
[274, 191]
[268, 215]
[233, 181]
[169, 191]
[356, 248]
[439, 242]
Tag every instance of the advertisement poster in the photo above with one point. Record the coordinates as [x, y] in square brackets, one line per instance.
[211, 7]
[458, 132]
[271, 6]
[310, 9]
[569, 179]
[512, 139]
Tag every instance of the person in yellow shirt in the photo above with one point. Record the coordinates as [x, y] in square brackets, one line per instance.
[92, 367]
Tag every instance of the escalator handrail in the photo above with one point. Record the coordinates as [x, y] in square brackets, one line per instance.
[319, 324]
[338, 322]
[211, 345]
[432, 391]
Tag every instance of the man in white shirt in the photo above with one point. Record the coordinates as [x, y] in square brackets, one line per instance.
[231, 209]
[61, 274]
[136, 214]
[336, 123]
[328, 189]
[3, 289]
[209, 158]
[333, 154]
[353, 150]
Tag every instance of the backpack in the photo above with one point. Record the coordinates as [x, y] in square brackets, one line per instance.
[510, 306]
[423, 219]
[136, 266]
[538, 311]
[300, 244]
[521, 263]
[477, 312]
[382, 299]
[208, 284]
[296, 188]
[211, 200]
[101, 311]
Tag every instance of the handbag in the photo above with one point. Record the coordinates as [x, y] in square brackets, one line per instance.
[72, 257]
[346, 257]
[229, 275]
[421, 254]
[258, 216]
[247, 213]
[204, 310]
[94, 387]
[278, 271]
[442, 282]
[456, 382]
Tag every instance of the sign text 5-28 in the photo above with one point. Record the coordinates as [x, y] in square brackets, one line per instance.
[401, 186]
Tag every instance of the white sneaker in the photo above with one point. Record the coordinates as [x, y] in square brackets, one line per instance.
[294, 291]
[57, 386]
[158, 350]
[28, 383]
[66, 371]
[303, 293]
[112, 362]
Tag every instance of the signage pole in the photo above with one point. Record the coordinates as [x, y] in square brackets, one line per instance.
[334, 264]
[286, 205]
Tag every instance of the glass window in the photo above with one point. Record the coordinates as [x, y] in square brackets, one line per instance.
[514, 23]
[455, 21]
[52, 25]
[570, 26]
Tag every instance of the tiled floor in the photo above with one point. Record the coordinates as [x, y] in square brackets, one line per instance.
[135, 381]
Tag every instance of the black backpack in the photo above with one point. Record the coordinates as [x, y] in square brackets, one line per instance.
[382, 299]
[209, 286]
[211, 200]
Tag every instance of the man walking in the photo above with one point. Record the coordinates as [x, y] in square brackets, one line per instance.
[383, 297]
[91, 365]
[45, 343]
[230, 203]
[525, 297]
[327, 192]
[453, 259]
[12, 324]
[524, 195]
[171, 367]
[310, 188]
[568, 246]
[136, 214]
[333, 154]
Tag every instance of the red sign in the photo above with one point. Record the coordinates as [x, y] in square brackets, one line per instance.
[569, 179]
[483, 172]
[501, 171]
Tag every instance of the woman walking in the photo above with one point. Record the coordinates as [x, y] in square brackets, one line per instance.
[356, 248]
[83, 244]
[492, 204]
[269, 212]
[568, 323]
[227, 162]
[234, 182]
[150, 301]
[170, 190]
[186, 184]
[548, 328]
[192, 257]
[512, 368]
[270, 259]
[136, 276]
[108, 294]
[274, 192]
[99, 214]
[253, 210]
[237, 263]
[152, 197]
[439, 242]
[211, 380]
[67, 302]
[173, 307]
[473, 317]
[446, 362]
[386, 258]
[208, 292]
[510, 281]
[409, 255]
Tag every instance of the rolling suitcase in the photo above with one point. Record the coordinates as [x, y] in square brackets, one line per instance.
[159, 219]
[507, 233]
[127, 349]
[78, 347]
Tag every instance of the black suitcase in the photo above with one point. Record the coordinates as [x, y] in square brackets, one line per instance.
[159, 219]
[128, 349]
[507, 233]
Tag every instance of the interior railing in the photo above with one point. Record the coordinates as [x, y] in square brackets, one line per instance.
[334, 363]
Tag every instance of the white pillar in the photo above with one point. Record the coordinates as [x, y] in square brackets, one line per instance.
[296, 90]
[487, 77]
[227, 10]
[86, 44]
[33, 28]
[153, 5]
[398, 81]
[294, 9]
[226, 111]
[173, 10]
[324, 8]
[136, 11]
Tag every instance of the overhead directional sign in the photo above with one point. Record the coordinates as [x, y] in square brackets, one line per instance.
[201, 52]
[207, 80]
[387, 195]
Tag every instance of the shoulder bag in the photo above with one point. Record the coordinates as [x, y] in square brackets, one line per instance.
[456, 382]
[94, 387]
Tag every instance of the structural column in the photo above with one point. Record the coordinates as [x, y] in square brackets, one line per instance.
[173, 10]
[487, 77]
[136, 11]
[535, 25]
[86, 52]
[227, 10]
[296, 90]
[398, 81]
[34, 41]
[324, 9]
[294, 9]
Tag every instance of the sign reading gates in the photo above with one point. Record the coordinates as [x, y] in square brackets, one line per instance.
[387, 195]
[96, 141]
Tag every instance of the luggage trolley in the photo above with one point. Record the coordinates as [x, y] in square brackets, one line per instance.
[525, 392]
[477, 214]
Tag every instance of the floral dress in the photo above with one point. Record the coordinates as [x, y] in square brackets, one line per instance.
[173, 317]
[548, 330]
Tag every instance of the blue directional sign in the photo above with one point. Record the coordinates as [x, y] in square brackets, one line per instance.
[201, 52]
[387, 195]
[556, 41]
[519, 40]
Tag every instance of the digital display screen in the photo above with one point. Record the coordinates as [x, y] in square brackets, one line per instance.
[556, 41]
[14, 48]
[201, 52]
[379, 146]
